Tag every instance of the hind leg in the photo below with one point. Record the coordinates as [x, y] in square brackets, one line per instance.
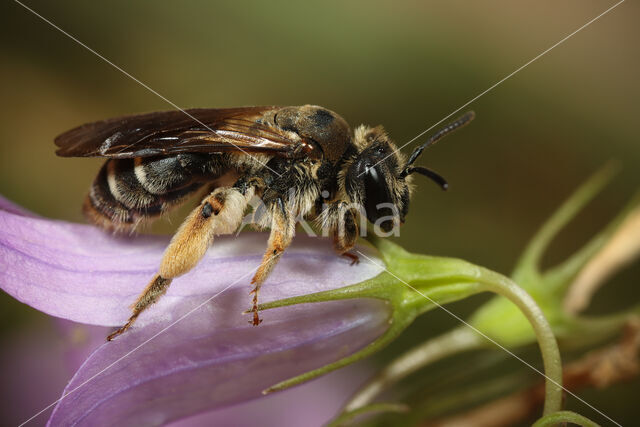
[219, 213]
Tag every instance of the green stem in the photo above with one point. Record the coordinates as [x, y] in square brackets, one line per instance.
[468, 337]
[413, 284]
[564, 417]
[452, 342]
[546, 340]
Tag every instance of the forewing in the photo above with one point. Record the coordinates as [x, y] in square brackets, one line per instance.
[163, 133]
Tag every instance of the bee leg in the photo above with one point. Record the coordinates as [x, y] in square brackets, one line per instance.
[282, 231]
[219, 213]
[345, 233]
[154, 290]
[355, 259]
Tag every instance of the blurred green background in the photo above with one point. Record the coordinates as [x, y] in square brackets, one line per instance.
[404, 64]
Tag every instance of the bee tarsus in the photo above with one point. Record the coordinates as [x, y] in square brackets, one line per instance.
[353, 258]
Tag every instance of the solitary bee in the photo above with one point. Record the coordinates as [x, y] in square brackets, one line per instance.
[302, 162]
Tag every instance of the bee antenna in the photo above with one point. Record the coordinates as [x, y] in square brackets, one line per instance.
[456, 124]
[434, 176]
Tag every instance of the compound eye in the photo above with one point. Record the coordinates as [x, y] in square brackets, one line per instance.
[377, 200]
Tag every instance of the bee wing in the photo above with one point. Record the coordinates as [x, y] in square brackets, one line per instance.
[168, 132]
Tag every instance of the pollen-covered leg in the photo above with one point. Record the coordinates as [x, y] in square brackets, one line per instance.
[282, 231]
[219, 213]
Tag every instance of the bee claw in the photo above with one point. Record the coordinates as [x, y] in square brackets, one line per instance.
[353, 257]
[117, 332]
[256, 320]
[123, 328]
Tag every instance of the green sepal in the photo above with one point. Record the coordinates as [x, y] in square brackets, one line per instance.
[433, 281]
[413, 284]
[527, 268]
[504, 322]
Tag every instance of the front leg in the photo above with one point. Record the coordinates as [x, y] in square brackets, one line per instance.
[282, 231]
[344, 230]
[219, 213]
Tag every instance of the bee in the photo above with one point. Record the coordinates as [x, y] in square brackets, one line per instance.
[302, 162]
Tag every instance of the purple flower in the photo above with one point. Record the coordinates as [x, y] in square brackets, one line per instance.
[194, 350]
[37, 364]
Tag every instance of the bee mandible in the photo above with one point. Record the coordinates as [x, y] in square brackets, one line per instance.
[302, 162]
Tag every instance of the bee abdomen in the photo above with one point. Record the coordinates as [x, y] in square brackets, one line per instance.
[127, 192]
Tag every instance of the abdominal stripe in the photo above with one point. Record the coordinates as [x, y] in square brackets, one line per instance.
[118, 198]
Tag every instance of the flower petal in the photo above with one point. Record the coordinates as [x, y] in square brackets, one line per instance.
[310, 404]
[30, 355]
[212, 359]
[80, 273]
[36, 364]
[192, 351]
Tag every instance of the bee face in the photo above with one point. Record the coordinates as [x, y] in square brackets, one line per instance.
[375, 180]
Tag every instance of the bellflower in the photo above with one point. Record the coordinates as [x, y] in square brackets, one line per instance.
[40, 360]
[211, 358]
[194, 350]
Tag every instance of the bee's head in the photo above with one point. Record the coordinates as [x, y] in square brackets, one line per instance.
[374, 179]
[379, 178]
